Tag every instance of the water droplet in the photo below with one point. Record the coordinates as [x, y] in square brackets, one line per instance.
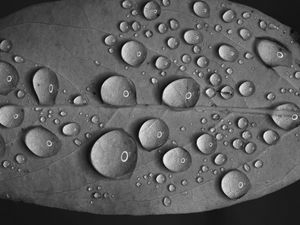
[177, 159]
[228, 53]
[246, 15]
[95, 119]
[45, 84]
[124, 26]
[186, 58]
[153, 134]
[79, 100]
[206, 144]
[5, 45]
[133, 53]
[220, 159]
[199, 179]
[174, 24]
[182, 93]
[18, 59]
[118, 91]
[171, 188]
[262, 24]
[9, 78]
[160, 178]
[270, 96]
[202, 61]
[210, 92]
[245, 34]
[71, 129]
[258, 164]
[162, 28]
[270, 137]
[110, 40]
[215, 79]
[218, 28]
[201, 9]
[20, 94]
[228, 16]
[286, 116]
[114, 154]
[173, 42]
[226, 92]
[126, 4]
[42, 142]
[151, 10]
[246, 135]
[136, 26]
[235, 184]
[6, 164]
[192, 37]
[162, 63]
[11, 116]
[250, 148]
[166, 201]
[273, 53]
[20, 158]
[247, 88]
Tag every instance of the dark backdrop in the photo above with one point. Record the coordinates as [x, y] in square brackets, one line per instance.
[281, 207]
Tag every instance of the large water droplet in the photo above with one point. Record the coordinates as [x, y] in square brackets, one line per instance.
[182, 93]
[11, 116]
[42, 142]
[228, 16]
[133, 53]
[246, 88]
[206, 144]
[201, 9]
[151, 10]
[118, 91]
[271, 137]
[228, 53]
[192, 37]
[45, 84]
[71, 129]
[9, 78]
[177, 159]
[114, 154]
[235, 184]
[273, 53]
[153, 134]
[286, 116]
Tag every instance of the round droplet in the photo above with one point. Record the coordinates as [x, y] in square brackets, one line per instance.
[124, 26]
[215, 79]
[220, 159]
[5, 45]
[247, 88]
[177, 159]
[9, 78]
[250, 148]
[20, 158]
[126, 4]
[206, 144]
[210, 92]
[273, 53]
[71, 129]
[286, 116]
[228, 53]
[181, 93]
[110, 40]
[235, 184]
[162, 28]
[42, 142]
[136, 26]
[133, 53]
[202, 61]
[228, 16]
[160, 178]
[45, 84]
[162, 63]
[226, 92]
[192, 37]
[11, 116]
[258, 164]
[79, 100]
[173, 42]
[114, 154]
[245, 34]
[201, 9]
[271, 137]
[171, 188]
[166, 201]
[151, 10]
[153, 134]
[118, 91]
[174, 24]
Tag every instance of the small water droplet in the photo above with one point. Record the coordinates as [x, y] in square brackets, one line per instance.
[160, 178]
[173, 42]
[226, 92]
[270, 137]
[228, 16]
[20, 158]
[201, 9]
[192, 37]
[245, 34]
[177, 159]
[162, 63]
[237, 144]
[228, 53]
[206, 144]
[215, 79]
[246, 88]
[258, 164]
[220, 159]
[202, 61]
[110, 40]
[166, 201]
[71, 129]
[5, 45]
[250, 148]
[174, 24]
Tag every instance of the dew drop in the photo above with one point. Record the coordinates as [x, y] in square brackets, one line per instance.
[258, 164]
[206, 144]
[215, 79]
[166, 201]
[245, 34]
[286, 116]
[114, 154]
[192, 37]
[201, 9]
[181, 93]
[110, 40]
[9, 78]
[220, 159]
[20, 158]
[228, 53]
[235, 184]
[226, 92]
[173, 42]
[42, 142]
[237, 144]
[271, 137]
[162, 63]
[151, 10]
[250, 148]
[153, 134]
[162, 28]
[171, 188]
[11, 116]
[118, 91]
[202, 61]
[133, 53]
[71, 129]
[126, 4]
[45, 84]
[160, 178]
[247, 88]
[228, 16]
[79, 100]
[124, 26]
[174, 24]
[5, 45]
[177, 159]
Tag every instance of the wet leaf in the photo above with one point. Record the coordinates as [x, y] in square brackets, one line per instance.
[146, 107]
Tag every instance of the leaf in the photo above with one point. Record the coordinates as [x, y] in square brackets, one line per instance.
[134, 107]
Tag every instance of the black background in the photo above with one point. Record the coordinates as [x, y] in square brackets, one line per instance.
[281, 207]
